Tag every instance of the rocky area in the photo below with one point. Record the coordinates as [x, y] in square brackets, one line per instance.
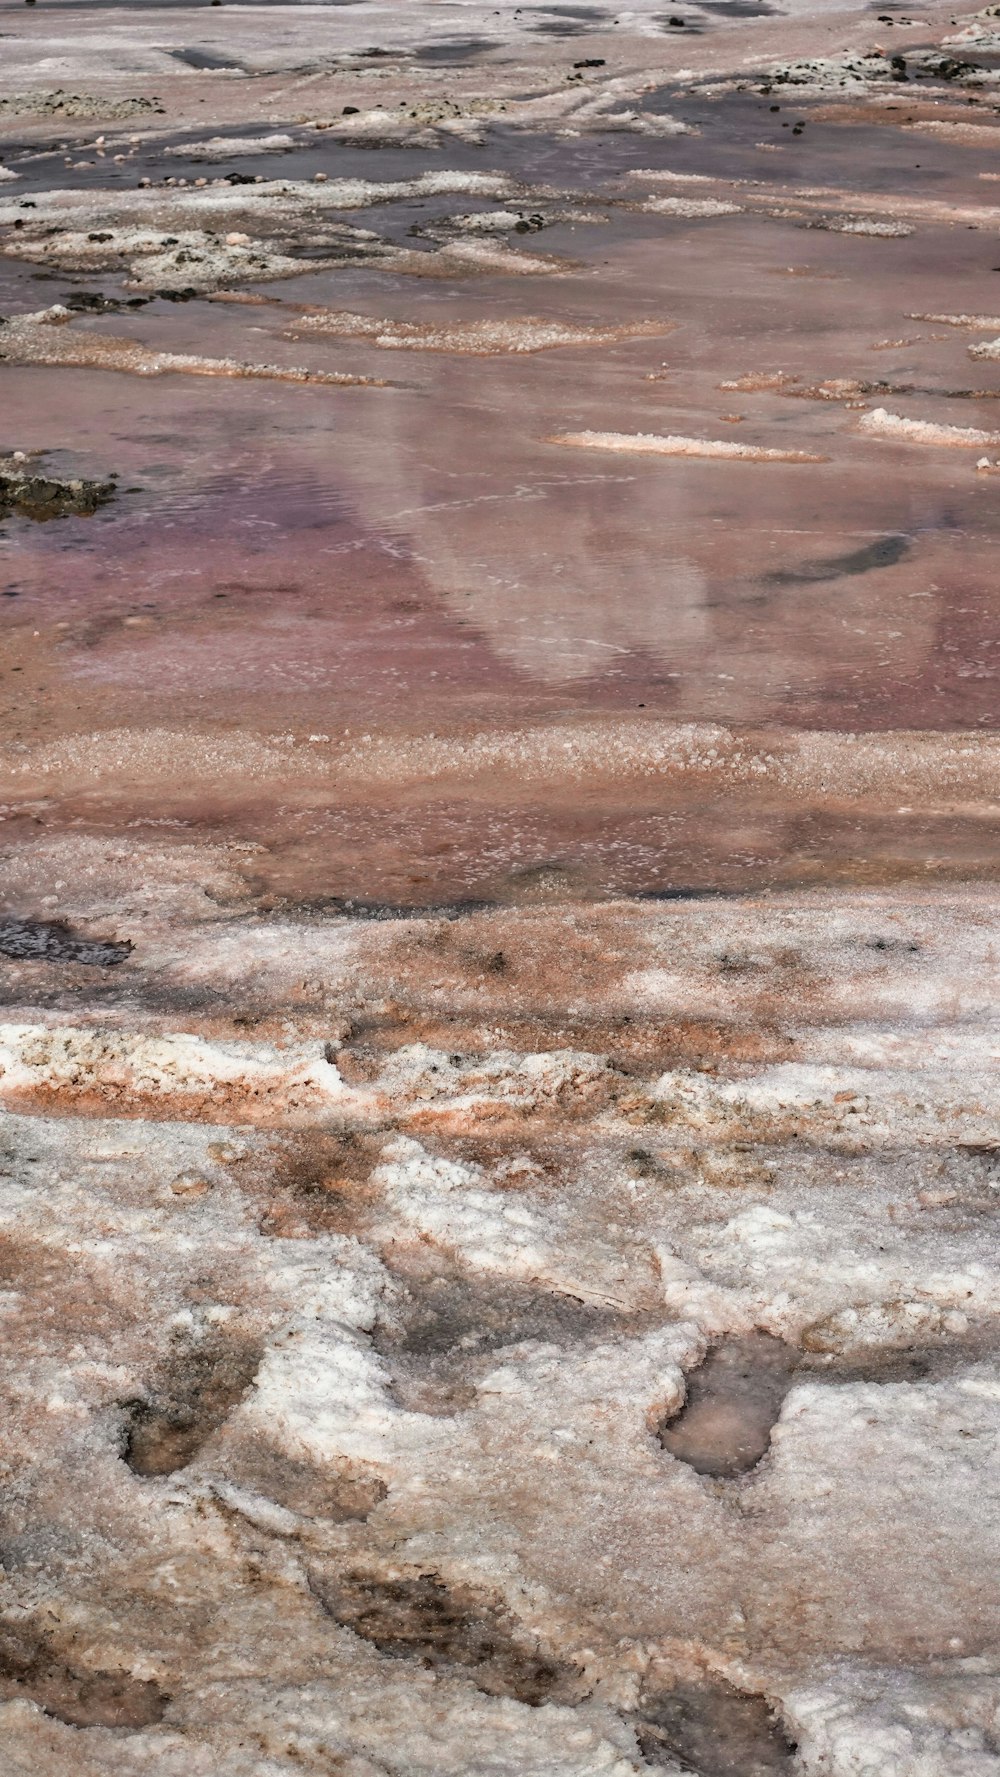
[41, 496]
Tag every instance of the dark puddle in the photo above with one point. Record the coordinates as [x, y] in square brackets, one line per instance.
[30, 940]
[443, 1626]
[81, 1699]
[883, 553]
[206, 58]
[739, 9]
[194, 1396]
[714, 1730]
[684, 894]
[460, 49]
[563, 28]
[733, 1400]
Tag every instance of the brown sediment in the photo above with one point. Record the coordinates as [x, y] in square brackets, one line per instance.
[714, 1729]
[81, 1699]
[422, 1619]
[165, 1428]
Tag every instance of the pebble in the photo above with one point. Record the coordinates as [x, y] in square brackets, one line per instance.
[189, 1184]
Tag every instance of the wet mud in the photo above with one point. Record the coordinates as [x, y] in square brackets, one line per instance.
[166, 1427]
[733, 1401]
[425, 1620]
[28, 1668]
[714, 1730]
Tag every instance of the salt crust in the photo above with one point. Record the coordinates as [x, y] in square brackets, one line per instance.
[649, 444]
[226, 147]
[877, 1502]
[876, 770]
[691, 208]
[488, 337]
[46, 338]
[882, 424]
[972, 321]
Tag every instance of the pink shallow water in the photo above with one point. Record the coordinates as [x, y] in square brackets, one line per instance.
[422, 557]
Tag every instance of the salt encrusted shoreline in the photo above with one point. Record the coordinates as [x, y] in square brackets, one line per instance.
[498, 956]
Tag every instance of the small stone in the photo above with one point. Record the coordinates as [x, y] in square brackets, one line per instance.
[189, 1184]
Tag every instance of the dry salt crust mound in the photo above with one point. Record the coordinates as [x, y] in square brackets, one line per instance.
[46, 338]
[357, 1354]
[649, 444]
[192, 237]
[882, 424]
[482, 338]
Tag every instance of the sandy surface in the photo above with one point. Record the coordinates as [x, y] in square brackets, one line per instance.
[498, 956]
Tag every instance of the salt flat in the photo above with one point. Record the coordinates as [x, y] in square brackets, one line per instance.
[498, 944]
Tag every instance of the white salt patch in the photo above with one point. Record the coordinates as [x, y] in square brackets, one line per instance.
[979, 135]
[45, 338]
[484, 337]
[193, 258]
[450, 1205]
[691, 207]
[972, 321]
[865, 225]
[990, 348]
[227, 147]
[648, 443]
[667, 175]
[882, 424]
[490, 255]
